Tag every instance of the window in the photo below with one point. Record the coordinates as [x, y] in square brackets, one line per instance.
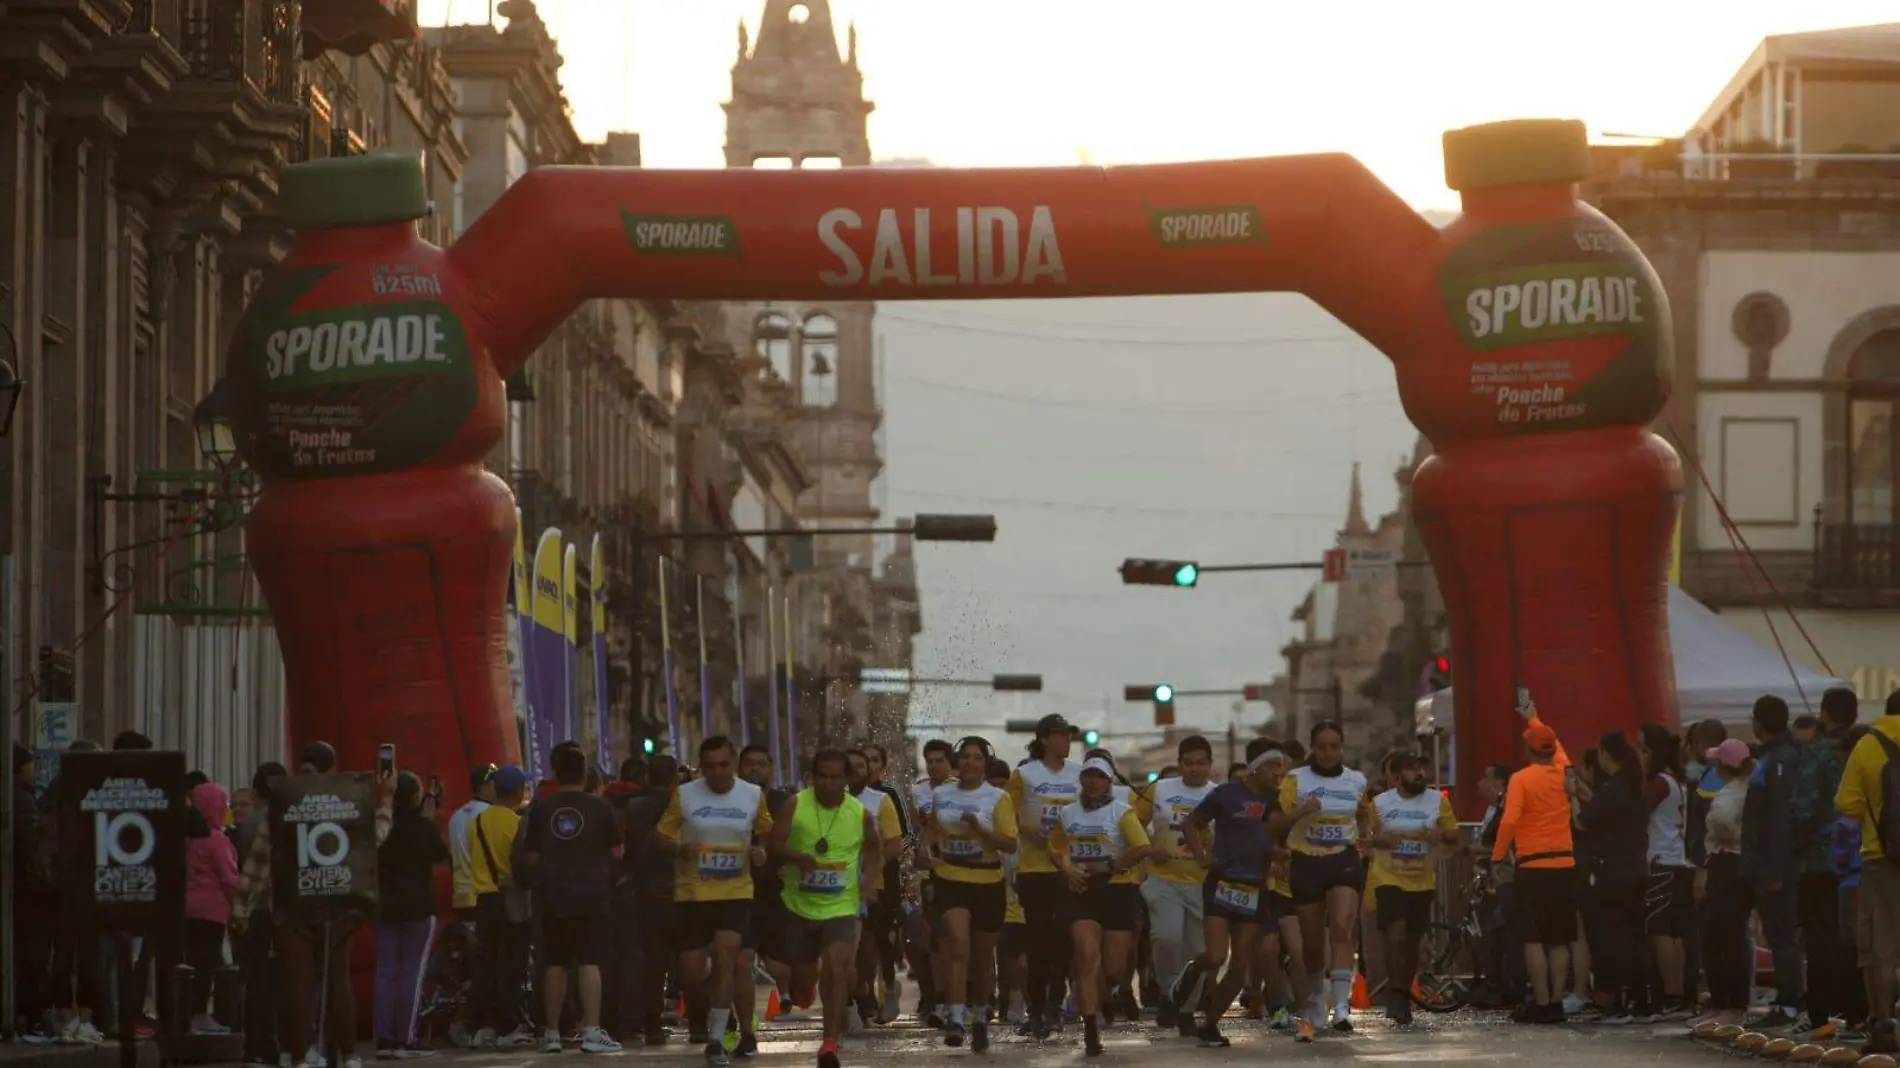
[772, 341]
[1873, 374]
[820, 352]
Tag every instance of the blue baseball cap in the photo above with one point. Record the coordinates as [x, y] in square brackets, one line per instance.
[510, 779]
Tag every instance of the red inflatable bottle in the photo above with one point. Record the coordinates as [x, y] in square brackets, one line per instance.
[1547, 505]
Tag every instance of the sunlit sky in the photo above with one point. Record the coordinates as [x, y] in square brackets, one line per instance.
[1024, 82]
[1220, 429]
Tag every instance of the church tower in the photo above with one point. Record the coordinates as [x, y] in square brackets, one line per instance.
[798, 102]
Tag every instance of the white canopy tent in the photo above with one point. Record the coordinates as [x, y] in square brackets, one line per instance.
[1720, 671]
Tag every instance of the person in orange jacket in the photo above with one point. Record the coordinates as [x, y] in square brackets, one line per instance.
[1536, 824]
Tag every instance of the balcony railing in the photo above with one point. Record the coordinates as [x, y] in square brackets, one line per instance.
[1862, 557]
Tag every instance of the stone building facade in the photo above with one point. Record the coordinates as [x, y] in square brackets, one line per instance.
[798, 102]
[139, 147]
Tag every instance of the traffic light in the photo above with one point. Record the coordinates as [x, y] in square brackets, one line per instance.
[1016, 683]
[1436, 676]
[648, 747]
[1184, 573]
[1091, 738]
[1154, 776]
[1159, 691]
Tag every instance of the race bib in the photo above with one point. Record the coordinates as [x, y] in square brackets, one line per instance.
[1178, 815]
[1328, 831]
[961, 849]
[822, 881]
[1051, 815]
[1237, 896]
[1089, 848]
[1411, 849]
[718, 863]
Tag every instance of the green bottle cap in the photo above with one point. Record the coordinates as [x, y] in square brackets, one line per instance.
[1519, 152]
[384, 186]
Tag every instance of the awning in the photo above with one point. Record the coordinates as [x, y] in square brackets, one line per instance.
[353, 27]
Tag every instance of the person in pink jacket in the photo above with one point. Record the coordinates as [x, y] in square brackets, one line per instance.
[211, 877]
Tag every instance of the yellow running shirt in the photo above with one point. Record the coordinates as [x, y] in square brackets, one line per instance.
[1038, 795]
[722, 827]
[1411, 865]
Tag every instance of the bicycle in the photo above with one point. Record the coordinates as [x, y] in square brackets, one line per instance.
[1451, 955]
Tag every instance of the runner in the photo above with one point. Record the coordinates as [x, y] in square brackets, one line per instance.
[770, 922]
[710, 825]
[1012, 946]
[1408, 820]
[887, 913]
[1173, 891]
[1237, 920]
[825, 836]
[939, 768]
[1098, 843]
[1038, 789]
[1327, 804]
[1119, 999]
[890, 833]
[1286, 970]
[973, 827]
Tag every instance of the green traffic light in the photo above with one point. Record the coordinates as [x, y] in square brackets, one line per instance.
[1164, 693]
[1090, 738]
[1154, 776]
[1187, 575]
[647, 746]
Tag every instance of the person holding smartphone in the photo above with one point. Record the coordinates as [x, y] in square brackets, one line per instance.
[1536, 823]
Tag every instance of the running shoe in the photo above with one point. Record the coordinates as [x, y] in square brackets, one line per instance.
[551, 1042]
[82, 1033]
[1165, 1016]
[1343, 1024]
[979, 1035]
[1775, 1019]
[828, 1055]
[1303, 1030]
[484, 1039]
[1401, 1012]
[716, 1055]
[522, 1037]
[953, 1034]
[1282, 1019]
[413, 1052]
[1209, 1036]
[747, 1046]
[597, 1040]
[1091, 1038]
[893, 996]
[1574, 1004]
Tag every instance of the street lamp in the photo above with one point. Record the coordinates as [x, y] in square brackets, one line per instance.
[211, 422]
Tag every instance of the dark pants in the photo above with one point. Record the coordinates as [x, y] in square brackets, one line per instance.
[501, 966]
[33, 927]
[1613, 922]
[1781, 929]
[263, 989]
[1040, 893]
[658, 928]
[204, 951]
[1726, 956]
[77, 956]
[402, 959]
[1832, 977]
[1504, 945]
[622, 1010]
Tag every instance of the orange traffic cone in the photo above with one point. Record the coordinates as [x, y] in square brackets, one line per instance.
[1418, 993]
[681, 1011]
[1360, 1000]
[772, 1006]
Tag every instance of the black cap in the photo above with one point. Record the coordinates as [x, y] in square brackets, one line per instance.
[1053, 723]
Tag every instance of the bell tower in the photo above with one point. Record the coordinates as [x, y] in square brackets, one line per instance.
[798, 102]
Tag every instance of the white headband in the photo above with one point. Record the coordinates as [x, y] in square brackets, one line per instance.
[1271, 756]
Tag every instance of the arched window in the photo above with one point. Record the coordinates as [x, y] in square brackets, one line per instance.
[772, 342]
[1873, 401]
[820, 350]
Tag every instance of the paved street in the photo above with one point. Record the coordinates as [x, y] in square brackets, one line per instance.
[1460, 1039]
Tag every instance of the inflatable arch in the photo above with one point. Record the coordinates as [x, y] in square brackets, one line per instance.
[1531, 339]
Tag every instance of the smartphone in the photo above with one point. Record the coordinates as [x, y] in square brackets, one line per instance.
[1523, 697]
[385, 761]
[435, 787]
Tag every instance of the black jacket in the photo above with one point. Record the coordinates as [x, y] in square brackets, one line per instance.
[405, 866]
[1616, 842]
[654, 868]
[1770, 853]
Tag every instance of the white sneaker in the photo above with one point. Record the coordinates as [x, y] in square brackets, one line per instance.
[597, 1040]
[522, 1037]
[1572, 1004]
[551, 1042]
[314, 1058]
[484, 1039]
[82, 1032]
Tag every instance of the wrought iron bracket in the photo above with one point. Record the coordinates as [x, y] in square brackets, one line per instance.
[192, 510]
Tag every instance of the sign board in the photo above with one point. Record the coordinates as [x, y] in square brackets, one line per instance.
[1164, 713]
[55, 726]
[1339, 565]
[122, 837]
[323, 846]
[884, 680]
[1333, 565]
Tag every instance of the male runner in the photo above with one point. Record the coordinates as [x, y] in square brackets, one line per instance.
[1173, 891]
[710, 825]
[826, 835]
[939, 761]
[887, 913]
[769, 919]
[1407, 821]
[1038, 790]
[890, 833]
